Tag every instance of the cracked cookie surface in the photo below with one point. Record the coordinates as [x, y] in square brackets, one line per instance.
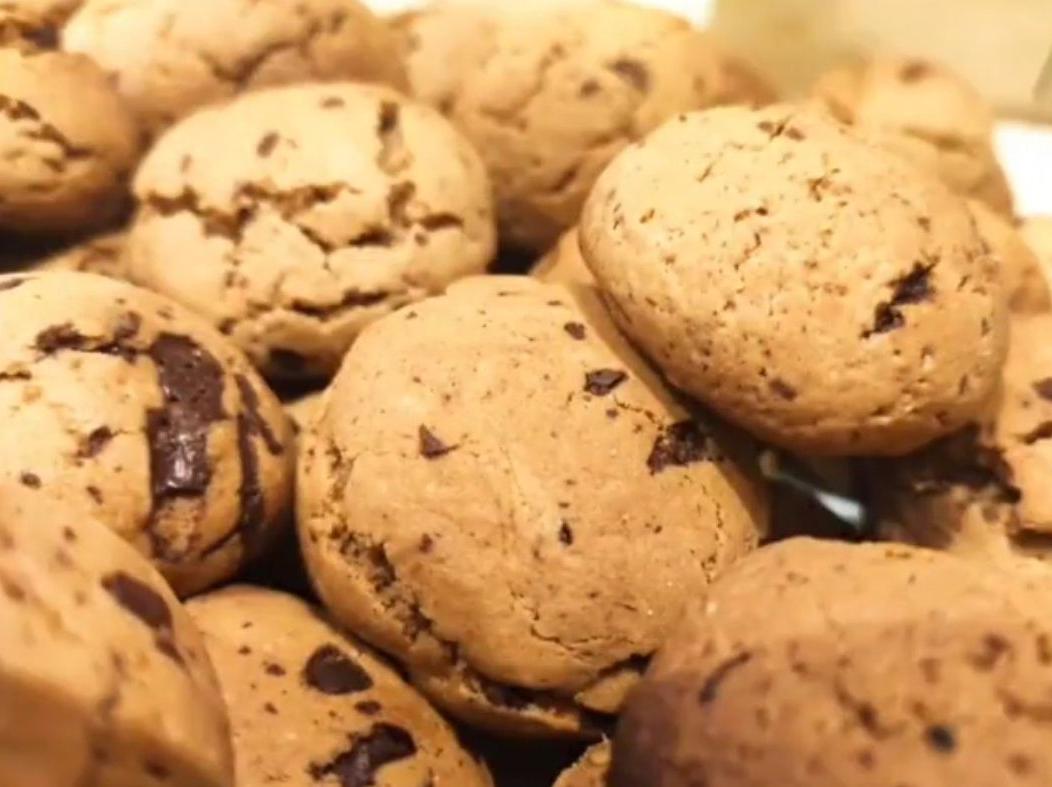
[501, 494]
[103, 678]
[300, 214]
[802, 281]
[68, 144]
[781, 676]
[169, 57]
[123, 404]
[927, 114]
[309, 704]
[549, 92]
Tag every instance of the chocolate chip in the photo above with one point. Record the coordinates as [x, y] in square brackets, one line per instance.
[711, 687]
[368, 707]
[95, 442]
[575, 329]
[431, 447]
[941, 738]
[69, 535]
[914, 287]
[270, 708]
[440, 221]
[138, 598]
[681, 444]
[1043, 388]
[58, 337]
[94, 493]
[382, 745]
[259, 424]
[388, 121]
[274, 669]
[44, 37]
[633, 72]
[783, 389]
[32, 480]
[244, 650]
[602, 381]
[331, 671]
[1042, 431]
[565, 534]
[250, 490]
[588, 88]
[267, 144]
[427, 543]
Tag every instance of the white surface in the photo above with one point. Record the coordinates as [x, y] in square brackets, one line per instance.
[1025, 150]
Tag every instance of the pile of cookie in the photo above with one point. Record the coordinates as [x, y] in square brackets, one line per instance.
[451, 399]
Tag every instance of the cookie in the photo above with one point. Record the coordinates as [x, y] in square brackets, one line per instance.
[310, 705]
[103, 255]
[170, 57]
[983, 492]
[1022, 276]
[33, 25]
[929, 115]
[130, 409]
[805, 283]
[67, 144]
[303, 213]
[563, 264]
[103, 678]
[550, 92]
[501, 495]
[782, 676]
[590, 770]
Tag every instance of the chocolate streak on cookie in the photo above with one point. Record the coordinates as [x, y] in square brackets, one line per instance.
[148, 606]
[382, 745]
[259, 425]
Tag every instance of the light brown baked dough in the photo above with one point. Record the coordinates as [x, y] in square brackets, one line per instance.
[33, 25]
[302, 213]
[170, 57]
[1022, 275]
[808, 285]
[929, 115]
[103, 255]
[590, 770]
[1037, 234]
[103, 678]
[500, 494]
[67, 144]
[822, 664]
[563, 264]
[130, 409]
[549, 92]
[309, 705]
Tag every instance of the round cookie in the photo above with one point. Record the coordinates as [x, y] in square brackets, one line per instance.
[501, 495]
[782, 676]
[169, 57]
[103, 678]
[550, 92]
[300, 214]
[563, 264]
[130, 409]
[33, 25]
[805, 283]
[927, 114]
[102, 255]
[67, 144]
[309, 705]
[590, 770]
[1022, 276]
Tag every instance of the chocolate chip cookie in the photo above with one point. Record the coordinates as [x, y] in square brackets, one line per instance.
[300, 214]
[805, 283]
[498, 492]
[130, 409]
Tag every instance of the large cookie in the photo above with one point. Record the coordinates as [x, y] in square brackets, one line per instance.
[169, 57]
[805, 283]
[128, 408]
[309, 705]
[293, 217]
[103, 678]
[503, 496]
[823, 664]
[67, 144]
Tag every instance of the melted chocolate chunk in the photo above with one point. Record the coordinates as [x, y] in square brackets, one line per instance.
[250, 491]
[431, 447]
[331, 671]
[259, 425]
[95, 442]
[139, 599]
[681, 444]
[602, 381]
[941, 738]
[358, 765]
[59, 337]
[914, 287]
[575, 329]
[1043, 388]
[633, 72]
[711, 687]
[565, 534]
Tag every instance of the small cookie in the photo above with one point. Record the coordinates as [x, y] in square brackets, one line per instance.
[103, 255]
[309, 705]
[590, 770]
[563, 264]
[300, 214]
[806, 284]
[67, 144]
[823, 664]
[33, 25]
[129, 408]
[550, 92]
[502, 495]
[927, 114]
[169, 57]
[1022, 276]
[985, 490]
[103, 678]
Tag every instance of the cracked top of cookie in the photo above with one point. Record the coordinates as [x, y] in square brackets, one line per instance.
[124, 405]
[292, 217]
[803, 281]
